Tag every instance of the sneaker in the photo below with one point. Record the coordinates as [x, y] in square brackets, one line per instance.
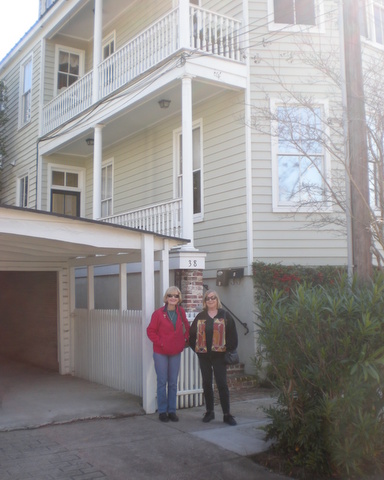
[208, 417]
[173, 417]
[163, 417]
[229, 419]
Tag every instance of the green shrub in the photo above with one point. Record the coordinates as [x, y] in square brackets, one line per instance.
[324, 347]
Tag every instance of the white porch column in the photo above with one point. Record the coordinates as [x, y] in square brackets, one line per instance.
[123, 287]
[164, 268]
[97, 163]
[187, 179]
[97, 47]
[91, 287]
[148, 306]
[184, 23]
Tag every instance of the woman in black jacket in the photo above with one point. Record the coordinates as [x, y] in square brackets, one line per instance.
[212, 333]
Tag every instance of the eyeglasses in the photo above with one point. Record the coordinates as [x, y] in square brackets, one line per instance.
[175, 295]
[208, 299]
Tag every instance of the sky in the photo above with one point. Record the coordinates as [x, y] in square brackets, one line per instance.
[17, 16]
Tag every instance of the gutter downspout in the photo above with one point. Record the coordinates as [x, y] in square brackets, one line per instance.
[248, 144]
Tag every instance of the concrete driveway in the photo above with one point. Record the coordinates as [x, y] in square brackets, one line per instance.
[32, 397]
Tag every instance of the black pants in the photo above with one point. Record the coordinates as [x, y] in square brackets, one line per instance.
[217, 366]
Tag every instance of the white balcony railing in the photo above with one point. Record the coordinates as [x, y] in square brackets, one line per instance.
[139, 55]
[162, 218]
[208, 31]
[74, 100]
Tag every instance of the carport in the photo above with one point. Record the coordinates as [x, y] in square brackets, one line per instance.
[39, 253]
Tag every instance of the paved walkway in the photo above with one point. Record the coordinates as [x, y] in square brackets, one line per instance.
[121, 443]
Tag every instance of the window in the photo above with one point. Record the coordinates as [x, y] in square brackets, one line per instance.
[109, 46]
[378, 14]
[106, 189]
[299, 157]
[375, 143]
[197, 174]
[22, 191]
[294, 12]
[48, 3]
[69, 67]
[26, 92]
[65, 192]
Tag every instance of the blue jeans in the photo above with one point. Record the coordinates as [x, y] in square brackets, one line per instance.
[167, 370]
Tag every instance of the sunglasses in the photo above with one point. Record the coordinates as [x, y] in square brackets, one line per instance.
[208, 299]
[175, 295]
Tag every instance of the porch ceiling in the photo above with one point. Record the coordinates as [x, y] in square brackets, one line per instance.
[79, 25]
[41, 240]
[140, 116]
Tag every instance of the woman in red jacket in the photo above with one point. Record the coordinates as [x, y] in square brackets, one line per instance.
[169, 332]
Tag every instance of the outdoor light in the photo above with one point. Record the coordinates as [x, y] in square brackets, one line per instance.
[90, 142]
[164, 103]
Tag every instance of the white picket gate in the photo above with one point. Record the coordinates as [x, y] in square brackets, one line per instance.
[108, 350]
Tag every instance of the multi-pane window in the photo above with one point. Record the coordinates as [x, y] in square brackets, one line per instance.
[106, 190]
[23, 191]
[300, 157]
[197, 180]
[294, 12]
[108, 46]
[26, 92]
[375, 143]
[65, 193]
[378, 13]
[69, 68]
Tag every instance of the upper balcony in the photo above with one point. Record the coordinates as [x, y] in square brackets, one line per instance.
[204, 31]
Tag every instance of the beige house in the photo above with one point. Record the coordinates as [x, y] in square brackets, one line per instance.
[153, 115]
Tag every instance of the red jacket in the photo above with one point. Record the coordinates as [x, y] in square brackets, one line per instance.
[167, 339]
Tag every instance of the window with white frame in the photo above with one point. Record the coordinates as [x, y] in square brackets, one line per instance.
[197, 170]
[299, 157]
[378, 16]
[375, 143]
[22, 191]
[65, 190]
[108, 46]
[25, 92]
[106, 189]
[294, 12]
[69, 67]
[48, 3]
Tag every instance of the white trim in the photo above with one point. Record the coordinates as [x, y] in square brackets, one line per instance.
[294, 207]
[76, 51]
[297, 28]
[67, 169]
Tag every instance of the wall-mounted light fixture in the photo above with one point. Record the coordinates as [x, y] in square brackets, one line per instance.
[164, 103]
[90, 142]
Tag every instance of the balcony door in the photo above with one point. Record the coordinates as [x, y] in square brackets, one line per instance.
[65, 203]
[66, 186]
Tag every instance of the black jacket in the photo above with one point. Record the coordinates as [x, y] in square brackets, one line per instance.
[230, 331]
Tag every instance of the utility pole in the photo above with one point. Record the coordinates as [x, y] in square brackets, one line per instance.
[357, 140]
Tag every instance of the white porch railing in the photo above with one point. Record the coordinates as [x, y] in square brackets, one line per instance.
[162, 218]
[108, 350]
[208, 31]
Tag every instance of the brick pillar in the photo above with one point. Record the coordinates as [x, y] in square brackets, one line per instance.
[191, 286]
